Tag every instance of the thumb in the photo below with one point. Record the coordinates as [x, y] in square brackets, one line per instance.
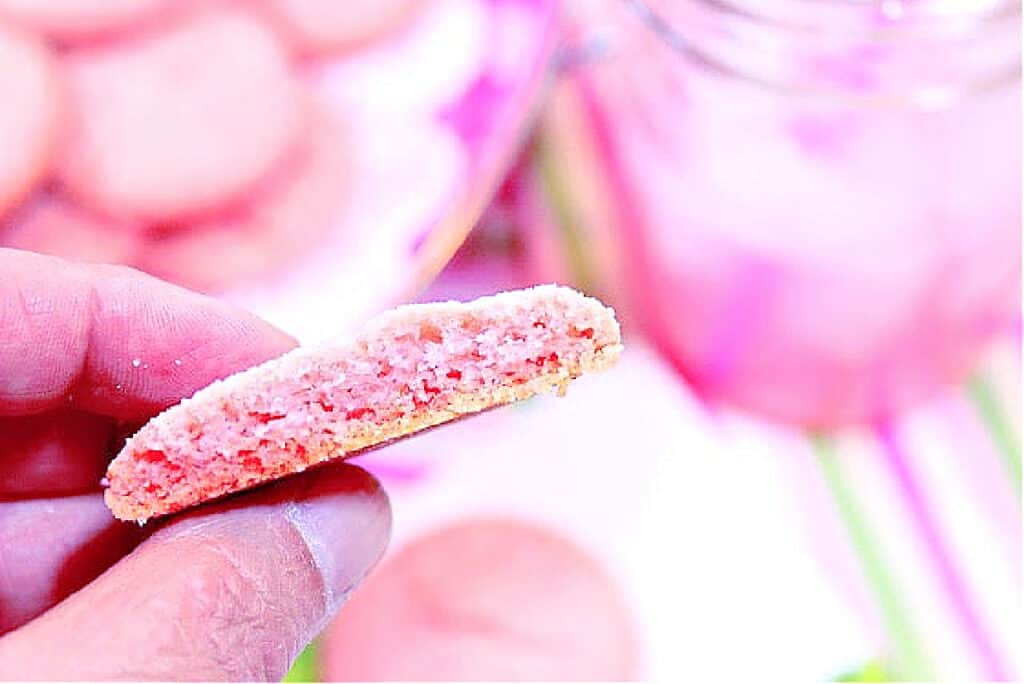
[233, 591]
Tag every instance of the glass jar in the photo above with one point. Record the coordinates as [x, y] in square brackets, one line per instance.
[822, 199]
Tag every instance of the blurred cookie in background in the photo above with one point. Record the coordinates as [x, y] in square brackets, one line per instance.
[483, 599]
[29, 115]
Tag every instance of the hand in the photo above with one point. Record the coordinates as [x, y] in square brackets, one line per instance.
[229, 591]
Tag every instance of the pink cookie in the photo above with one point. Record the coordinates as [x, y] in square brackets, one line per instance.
[316, 27]
[410, 369]
[181, 121]
[51, 225]
[29, 113]
[303, 201]
[73, 20]
[484, 600]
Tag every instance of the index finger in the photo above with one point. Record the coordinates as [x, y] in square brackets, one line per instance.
[114, 341]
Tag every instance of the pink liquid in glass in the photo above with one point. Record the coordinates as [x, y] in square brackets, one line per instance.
[827, 195]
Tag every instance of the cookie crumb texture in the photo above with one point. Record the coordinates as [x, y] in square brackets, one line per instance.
[411, 368]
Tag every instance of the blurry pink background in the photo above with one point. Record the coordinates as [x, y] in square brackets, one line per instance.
[808, 216]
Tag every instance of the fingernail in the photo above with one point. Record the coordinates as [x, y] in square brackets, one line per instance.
[345, 519]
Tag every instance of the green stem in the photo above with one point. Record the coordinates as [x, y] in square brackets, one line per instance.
[907, 654]
[1007, 441]
[560, 202]
[306, 667]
